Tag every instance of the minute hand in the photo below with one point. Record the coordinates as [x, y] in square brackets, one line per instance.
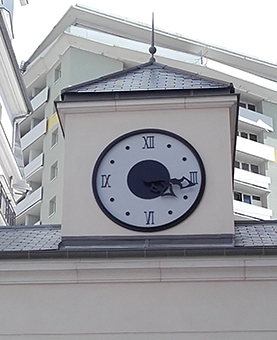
[179, 182]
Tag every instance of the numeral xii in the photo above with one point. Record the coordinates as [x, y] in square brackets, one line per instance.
[148, 142]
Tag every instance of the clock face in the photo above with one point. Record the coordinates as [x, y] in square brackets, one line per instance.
[148, 180]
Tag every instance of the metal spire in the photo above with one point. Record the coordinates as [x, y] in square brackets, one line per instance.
[152, 48]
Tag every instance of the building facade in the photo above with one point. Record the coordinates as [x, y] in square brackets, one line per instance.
[14, 104]
[121, 272]
[86, 44]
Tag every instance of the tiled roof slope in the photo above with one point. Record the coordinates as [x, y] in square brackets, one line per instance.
[256, 234]
[48, 237]
[26, 238]
[148, 77]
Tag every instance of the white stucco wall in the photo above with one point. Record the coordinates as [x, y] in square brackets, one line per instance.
[121, 299]
[90, 127]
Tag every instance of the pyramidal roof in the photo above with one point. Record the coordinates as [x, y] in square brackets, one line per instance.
[151, 76]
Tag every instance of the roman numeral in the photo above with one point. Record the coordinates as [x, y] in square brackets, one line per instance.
[148, 142]
[193, 177]
[105, 181]
[149, 217]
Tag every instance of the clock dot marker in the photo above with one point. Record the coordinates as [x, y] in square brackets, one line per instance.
[184, 159]
[111, 199]
[112, 161]
[170, 212]
[127, 213]
[127, 147]
[168, 146]
[185, 197]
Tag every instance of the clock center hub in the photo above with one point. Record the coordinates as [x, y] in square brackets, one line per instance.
[148, 179]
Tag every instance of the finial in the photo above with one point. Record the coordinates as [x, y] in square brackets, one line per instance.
[152, 48]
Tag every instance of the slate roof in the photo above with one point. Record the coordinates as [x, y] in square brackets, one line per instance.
[251, 237]
[26, 238]
[256, 234]
[151, 76]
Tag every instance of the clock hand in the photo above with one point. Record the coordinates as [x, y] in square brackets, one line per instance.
[160, 187]
[178, 182]
[165, 188]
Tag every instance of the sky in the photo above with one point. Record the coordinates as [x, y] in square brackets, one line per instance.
[243, 26]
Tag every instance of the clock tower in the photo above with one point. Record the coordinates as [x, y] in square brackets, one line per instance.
[148, 156]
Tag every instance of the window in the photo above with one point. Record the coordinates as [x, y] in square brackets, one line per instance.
[52, 206]
[246, 198]
[253, 137]
[248, 106]
[237, 196]
[244, 135]
[254, 168]
[54, 138]
[245, 166]
[248, 167]
[54, 171]
[248, 135]
[249, 199]
[58, 73]
[251, 107]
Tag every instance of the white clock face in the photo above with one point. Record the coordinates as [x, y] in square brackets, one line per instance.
[148, 180]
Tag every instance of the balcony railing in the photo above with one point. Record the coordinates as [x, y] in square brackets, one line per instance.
[255, 149]
[252, 178]
[34, 165]
[29, 201]
[256, 119]
[251, 210]
[34, 134]
[40, 98]
[6, 209]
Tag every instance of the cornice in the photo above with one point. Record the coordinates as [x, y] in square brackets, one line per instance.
[80, 271]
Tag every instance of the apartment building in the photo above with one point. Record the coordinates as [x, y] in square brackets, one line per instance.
[86, 45]
[14, 104]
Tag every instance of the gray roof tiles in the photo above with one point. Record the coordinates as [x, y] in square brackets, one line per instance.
[41, 238]
[148, 77]
[26, 238]
[253, 235]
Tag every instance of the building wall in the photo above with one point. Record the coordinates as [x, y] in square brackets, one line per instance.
[74, 66]
[270, 138]
[121, 299]
[203, 122]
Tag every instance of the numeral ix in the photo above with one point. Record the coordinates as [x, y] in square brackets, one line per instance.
[105, 181]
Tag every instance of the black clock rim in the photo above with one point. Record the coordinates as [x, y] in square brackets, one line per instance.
[154, 228]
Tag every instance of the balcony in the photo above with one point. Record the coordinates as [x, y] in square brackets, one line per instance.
[33, 135]
[7, 214]
[251, 211]
[30, 202]
[255, 149]
[40, 98]
[252, 179]
[256, 119]
[33, 168]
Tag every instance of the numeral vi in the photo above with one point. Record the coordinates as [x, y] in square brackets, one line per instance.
[149, 217]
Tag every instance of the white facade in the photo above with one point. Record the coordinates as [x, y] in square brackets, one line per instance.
[73, 53]
[121, 299]
[14, 104]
